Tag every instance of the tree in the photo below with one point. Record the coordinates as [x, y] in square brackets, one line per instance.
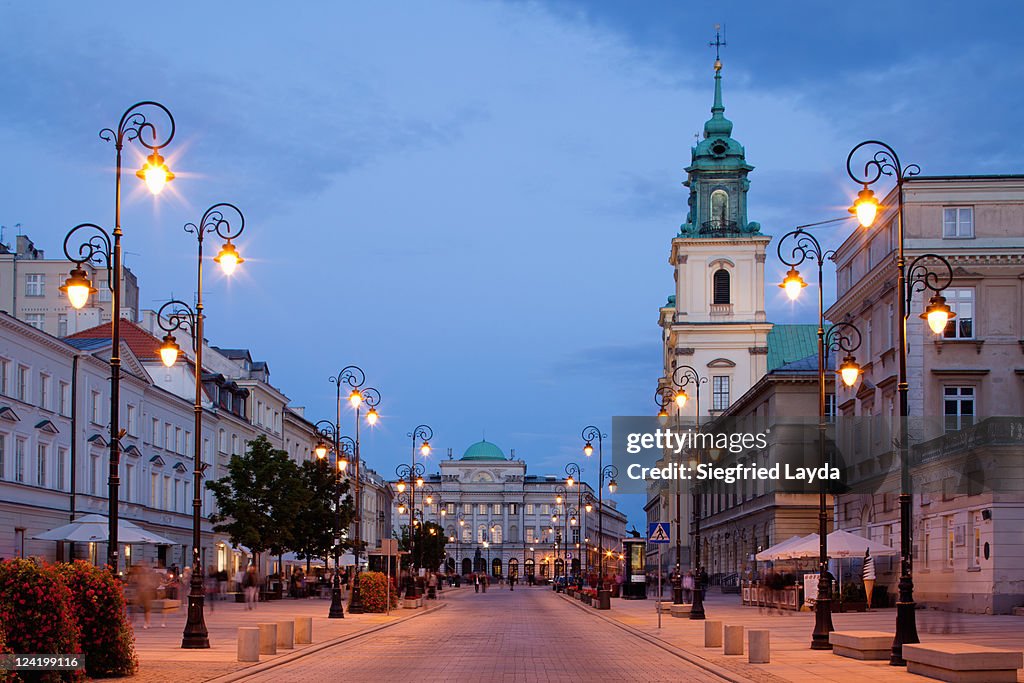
[316, 526]
[260, 498]
[430, 544]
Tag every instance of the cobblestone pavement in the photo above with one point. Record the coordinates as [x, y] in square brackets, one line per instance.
[530, 634]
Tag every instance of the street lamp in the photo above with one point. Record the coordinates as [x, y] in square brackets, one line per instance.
[217, 219]
[104, 249]
[683, 376]
[354, 378]
[918, 277]
[795, 248]
[415, 472]
[575, 478]
[589, 434]
[331, 432]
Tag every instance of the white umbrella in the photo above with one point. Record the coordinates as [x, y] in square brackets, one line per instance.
[778, 551]
[840, 544]
[94, 528]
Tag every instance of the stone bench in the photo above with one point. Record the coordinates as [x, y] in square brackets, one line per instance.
[861, 644]
[963, 662]
[663, 606]
[165, 604]
[681, 611]
[413, 603]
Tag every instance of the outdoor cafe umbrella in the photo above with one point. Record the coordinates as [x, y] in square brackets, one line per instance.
[93, 529]
[840, 544]
[778, 551]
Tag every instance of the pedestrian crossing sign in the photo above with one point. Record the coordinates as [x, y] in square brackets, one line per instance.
[657, 532]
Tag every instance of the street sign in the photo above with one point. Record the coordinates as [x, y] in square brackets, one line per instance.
[658, 532]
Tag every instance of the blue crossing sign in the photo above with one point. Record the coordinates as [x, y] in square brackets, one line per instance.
[658, 532]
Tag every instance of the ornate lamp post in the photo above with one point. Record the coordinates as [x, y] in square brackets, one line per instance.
[589, 434]
[104, 249]
[574, 477]
[216, 219]
[341, 446]
[683, 376]
[916, 277]
[353, 377]
[794, 249]
[415, 472]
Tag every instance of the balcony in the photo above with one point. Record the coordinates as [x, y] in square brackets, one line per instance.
[721, 310]
[719, 228]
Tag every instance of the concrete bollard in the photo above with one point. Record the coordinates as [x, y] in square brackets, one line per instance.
[248, 644]
[758, 646]
[286, 635]
[268, 639]
[733, 640]
[303, 630]
[712, 634]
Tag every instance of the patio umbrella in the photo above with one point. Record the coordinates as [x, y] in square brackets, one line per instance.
[840, 544]
[778, 551]
[93, 529]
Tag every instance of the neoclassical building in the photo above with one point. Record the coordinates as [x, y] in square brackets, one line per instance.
[501, 517]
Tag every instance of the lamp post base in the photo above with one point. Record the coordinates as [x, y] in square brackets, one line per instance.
[822, 624]
[355, 603]
[677, 595]
[337, 610]
[906, 631]
[697, 607]
[195, 636]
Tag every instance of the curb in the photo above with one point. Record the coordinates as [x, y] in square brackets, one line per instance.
[244, 672]
[696, 660]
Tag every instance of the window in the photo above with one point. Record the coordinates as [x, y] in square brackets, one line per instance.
[36, 320]
[721, 286]
[531, 534]
[958, 407]
[234, 444]
[155, 438]
[467, 534]
[168, 502]
[976, 542]
[129, 479]
[179, 441]
[35, 284]
[496, 508]
[62, 324]
[545, 509]
[958, 221]
[950, 541]
[513, 508]
[23, 383]
[467, 508]
[830, 407]
[529, 508]
[3, 460]
[132, 420]
[482, 508]
[19, 460]
[96, 408]
[5, 369]
[890, 321]
[41, 457]
[961, 300]
[62, 460]
[44, 392]
[720, 208]
[924, 554]
[222, 441]
[94, 474]
[65, 399]
[720, 392]
[154, 489]
[449, 509]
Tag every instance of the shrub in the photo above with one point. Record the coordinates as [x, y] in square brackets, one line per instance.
[99, 608]
[373, 587]
[37, 614]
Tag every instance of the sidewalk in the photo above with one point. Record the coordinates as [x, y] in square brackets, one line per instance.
[791, 657]
[161, 657]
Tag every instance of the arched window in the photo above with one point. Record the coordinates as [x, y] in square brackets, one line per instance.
[481, 534]
[467, 565]
[721, 287]
[496, 533]
[496, 567]
[513, 534]
[719, 208]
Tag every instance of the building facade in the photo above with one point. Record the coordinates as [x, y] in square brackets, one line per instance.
[505, 521]
[966, 395]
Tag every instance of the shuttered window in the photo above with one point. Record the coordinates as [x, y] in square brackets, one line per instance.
[721, 287]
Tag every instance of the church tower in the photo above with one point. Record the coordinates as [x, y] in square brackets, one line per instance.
[715, 321]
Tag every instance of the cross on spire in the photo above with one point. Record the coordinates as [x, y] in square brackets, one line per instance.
[718, 45]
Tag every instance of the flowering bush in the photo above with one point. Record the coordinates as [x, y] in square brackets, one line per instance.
[373, 588]
[591, 592]
[99, 608]
[36, 614]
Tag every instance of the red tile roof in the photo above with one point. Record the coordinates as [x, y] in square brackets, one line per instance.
[145, 346]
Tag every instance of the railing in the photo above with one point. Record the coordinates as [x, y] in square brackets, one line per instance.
[719, 227]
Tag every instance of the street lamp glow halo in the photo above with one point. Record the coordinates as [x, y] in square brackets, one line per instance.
[793, 284]
[169, 350]
[865, 207]
[78, 288]
[155, 173]
[228, 258]
[938, 313]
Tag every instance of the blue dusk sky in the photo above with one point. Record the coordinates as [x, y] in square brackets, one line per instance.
[474, 201]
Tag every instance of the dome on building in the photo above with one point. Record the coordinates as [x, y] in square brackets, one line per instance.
[483, 450]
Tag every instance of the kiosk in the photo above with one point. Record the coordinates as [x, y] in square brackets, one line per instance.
[635, 585]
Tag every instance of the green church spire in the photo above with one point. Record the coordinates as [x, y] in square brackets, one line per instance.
[718, 124]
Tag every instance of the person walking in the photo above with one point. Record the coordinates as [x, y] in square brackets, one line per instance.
[476, 582]
[251, 585]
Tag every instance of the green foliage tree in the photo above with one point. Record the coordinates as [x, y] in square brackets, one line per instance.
[428, 551]
[316, 524]
[260, 499]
